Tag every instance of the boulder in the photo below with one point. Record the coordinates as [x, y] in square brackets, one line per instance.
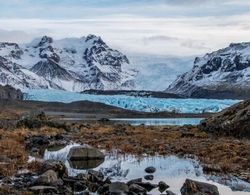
[47, 178]
[56, 166]
[118, 188]
[191, 187]
[233, 121]
[84, 153]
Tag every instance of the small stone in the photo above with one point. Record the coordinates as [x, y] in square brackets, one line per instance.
[56, 166]
[149, 177]
[150, 170]
[162, 186]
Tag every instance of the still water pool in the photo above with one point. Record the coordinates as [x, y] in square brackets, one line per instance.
[170, 169]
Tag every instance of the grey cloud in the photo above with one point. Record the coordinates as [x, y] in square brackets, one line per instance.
[14, 36]
[192, 2]
[192, 44]
[160, 38]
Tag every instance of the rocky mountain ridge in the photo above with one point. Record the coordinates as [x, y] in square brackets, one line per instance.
[73, 64]
[221, 74]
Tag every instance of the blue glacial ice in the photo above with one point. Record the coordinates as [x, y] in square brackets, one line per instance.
[134, 103]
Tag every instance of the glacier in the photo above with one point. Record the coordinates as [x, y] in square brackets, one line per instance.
[144, 104]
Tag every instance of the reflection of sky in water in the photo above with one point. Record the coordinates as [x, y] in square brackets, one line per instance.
[171, 169]
[158, 121]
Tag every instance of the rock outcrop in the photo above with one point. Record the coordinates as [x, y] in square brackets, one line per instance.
[8, 92]
[233, 121]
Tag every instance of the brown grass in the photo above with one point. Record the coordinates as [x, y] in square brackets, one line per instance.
[12, 146]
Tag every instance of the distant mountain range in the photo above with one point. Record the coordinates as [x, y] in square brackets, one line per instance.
[221, 74]
[73, 64]
[88, 63]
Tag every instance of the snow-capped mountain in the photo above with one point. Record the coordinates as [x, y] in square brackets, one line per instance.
[73, 64]
[221, 74]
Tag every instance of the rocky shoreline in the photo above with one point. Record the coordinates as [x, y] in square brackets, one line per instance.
[52, 178]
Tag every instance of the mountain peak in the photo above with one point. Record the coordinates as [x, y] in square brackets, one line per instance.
[240, 45]
[41, 41]
[45, 40]
[222, 73]
[72, 64]
[91, 37]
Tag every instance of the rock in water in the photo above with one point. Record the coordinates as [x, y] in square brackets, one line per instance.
[191, 187]
[84, 153]
[150, 170]
[8, 92]
[162, 186]
[149, 177]
[233, 121]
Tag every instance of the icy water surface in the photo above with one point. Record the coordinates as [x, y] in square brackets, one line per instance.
[158, 121]
[146, 104]
[173, 170]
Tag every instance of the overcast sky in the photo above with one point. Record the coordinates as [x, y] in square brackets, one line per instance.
[165, 27]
